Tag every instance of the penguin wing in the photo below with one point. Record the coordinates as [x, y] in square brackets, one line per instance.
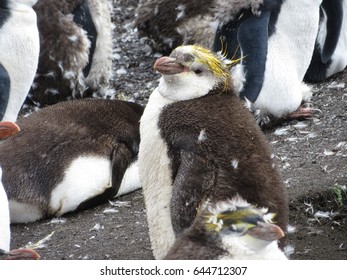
[83, 18]
[334, 14]
[253, 39]
[195, 175]
[5, 84]
[121, 159]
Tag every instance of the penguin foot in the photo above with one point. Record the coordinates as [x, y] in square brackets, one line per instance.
[19, 254]
[303, 112]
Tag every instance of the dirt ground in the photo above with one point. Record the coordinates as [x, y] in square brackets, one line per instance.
[312, 155]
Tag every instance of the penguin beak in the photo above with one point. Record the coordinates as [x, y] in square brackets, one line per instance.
[20, 254]
[169, 66]
[7, 129]
[266, 231]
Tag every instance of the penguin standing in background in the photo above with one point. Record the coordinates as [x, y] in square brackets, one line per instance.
[171, 23]
[199, 145]
[70, 156]
[276, 45]
[231, 229]
[19, 45]
[330, 53]
[6, 130]
[76, 50]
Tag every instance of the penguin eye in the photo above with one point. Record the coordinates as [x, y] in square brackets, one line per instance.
[197, 71]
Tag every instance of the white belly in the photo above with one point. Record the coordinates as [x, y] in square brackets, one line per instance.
[155, 176]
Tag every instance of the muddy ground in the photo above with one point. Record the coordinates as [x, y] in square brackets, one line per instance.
[312, 156]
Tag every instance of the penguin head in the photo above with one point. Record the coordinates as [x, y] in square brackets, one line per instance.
[241, 225]
[192, 71]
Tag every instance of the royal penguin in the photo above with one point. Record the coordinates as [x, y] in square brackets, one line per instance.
[231, 229]
[330, 53]
[19, 45]
[275, 44]
[199, 143]
[6, 130]
[76, 50]
[71, 156]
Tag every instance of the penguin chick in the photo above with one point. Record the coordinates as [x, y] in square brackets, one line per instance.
[199, 143]
[230, 229]
[76, 50]
[19, 45]
[171, 23]
[70, 156]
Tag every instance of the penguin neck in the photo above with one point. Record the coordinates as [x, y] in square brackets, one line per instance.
[182, 87]
[21, 4]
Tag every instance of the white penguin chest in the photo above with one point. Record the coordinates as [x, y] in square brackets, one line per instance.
[155, 176]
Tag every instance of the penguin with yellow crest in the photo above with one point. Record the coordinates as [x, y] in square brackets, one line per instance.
[200, 144]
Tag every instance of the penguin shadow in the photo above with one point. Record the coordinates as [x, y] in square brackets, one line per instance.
[71, 156]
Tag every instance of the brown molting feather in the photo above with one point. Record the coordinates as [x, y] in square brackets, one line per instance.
[231, 134]
[65, 48]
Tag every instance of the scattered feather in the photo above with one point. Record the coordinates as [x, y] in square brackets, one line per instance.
[309, 207]
[120, 203]
[328, 153]
[292, 139]
[181, 12]
[97, 227]
[300, 125]
[235, 163]
[288, 250]
[110, 211]
[281, 131]
[121, 71]
[325, 215]
[312, 135]
[202, 136]
[336, 85]
[39, 244]
[291, 229]
[57, 221]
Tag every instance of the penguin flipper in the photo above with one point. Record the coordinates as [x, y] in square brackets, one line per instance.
[253, 39]
[334, 13]
[5, 84]
[121, 158]
[194, 176]
[83, 18]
